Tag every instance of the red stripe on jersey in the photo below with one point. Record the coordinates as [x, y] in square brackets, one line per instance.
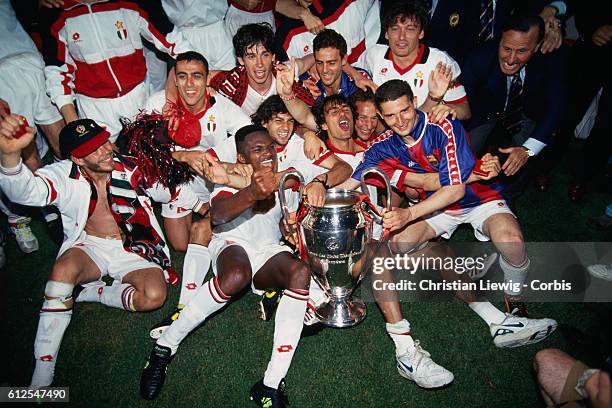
[327, 21]
[457, 101]
[52, 190]
[220, 194]
[454, 172]
[96, 80]
[323, 157]
[356, 52]
[265, 5]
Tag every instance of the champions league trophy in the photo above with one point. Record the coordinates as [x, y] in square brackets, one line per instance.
[333, 240]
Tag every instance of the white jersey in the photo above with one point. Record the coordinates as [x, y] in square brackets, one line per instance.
[290, 156]
[259, 229]
[194, 13]
[221, 118]
[253, 98]
[379, 61]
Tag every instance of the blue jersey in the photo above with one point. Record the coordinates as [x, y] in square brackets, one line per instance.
[438, 148]
[347, 85]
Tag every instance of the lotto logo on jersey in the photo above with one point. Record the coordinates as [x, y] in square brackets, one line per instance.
[211, 125]
[76, 37]
[384, 71]
[121, 31]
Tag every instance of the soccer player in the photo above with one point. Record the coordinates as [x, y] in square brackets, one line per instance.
[106, 230]
[246, 251]
[95, 63]
[203, 122]
[367, 125]
[430, 72]
[253, 80]
[415, 144]
[272, 115]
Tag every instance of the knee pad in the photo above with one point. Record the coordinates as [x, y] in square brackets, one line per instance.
[57, 294]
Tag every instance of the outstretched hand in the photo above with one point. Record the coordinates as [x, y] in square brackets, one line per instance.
[284, 79]
[439, 80]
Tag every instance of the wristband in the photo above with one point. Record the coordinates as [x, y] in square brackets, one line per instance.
[437, 100]
[288, 98]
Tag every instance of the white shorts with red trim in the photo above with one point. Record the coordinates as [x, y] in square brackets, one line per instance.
[213, 42]
[236, 18]
[111, 258]
[257, 256]
[107, 112]
[202, 188]
[444, 224]
[22, 86]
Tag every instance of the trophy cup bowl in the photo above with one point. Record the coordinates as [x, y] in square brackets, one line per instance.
[333, 241]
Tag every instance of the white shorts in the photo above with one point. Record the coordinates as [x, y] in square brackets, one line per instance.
[107, 112]
[213, 42]
[202, 188]
[257, 256]
[236, 18]
[111, 258]
[22, 85]
[445, 224]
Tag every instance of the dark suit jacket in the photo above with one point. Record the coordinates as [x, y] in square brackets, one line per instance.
[455, 24]
[544, 89]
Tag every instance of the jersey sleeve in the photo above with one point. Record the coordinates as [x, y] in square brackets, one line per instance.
[61, 68]
[380, 155]
[456, 159]
[173, 46]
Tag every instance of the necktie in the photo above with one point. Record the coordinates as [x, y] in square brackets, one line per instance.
[514, 108]
[486, 21]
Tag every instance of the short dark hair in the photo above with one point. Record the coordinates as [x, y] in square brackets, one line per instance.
[402, 10]
[329, 38]
[524, 23]
[192, 56]
[273, 105]
[361, 96]
[244, 132]
[329, 101]
[392, 90]
[249, 35]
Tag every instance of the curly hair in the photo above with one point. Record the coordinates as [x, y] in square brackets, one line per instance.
[250, 35]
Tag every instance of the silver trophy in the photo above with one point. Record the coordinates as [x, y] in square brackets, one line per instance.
[333, 240]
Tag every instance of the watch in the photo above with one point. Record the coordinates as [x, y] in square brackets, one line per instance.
[530, 152]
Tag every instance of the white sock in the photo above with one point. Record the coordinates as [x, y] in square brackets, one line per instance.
[288, 324]
[195, 267]
[91, 292]
[487, 312]
[54, 319]
[206, 301]
[516, 274]
[401, 335]
[119, 295]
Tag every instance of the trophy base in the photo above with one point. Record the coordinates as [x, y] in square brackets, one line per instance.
[340, 313]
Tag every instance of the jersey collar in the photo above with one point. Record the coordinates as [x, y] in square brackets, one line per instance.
[420, 59]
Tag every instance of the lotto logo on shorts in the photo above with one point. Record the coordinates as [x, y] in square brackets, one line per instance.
[500, 204]
[191, 286]
[47, 358]
[285, 348]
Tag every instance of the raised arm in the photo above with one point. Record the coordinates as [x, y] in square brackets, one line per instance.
[296, 107]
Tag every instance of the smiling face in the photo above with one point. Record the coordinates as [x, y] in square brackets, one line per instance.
[280, 127]
[329, 63]
[98, 161]
[259, 151]
[404, 35]
[258, 63]
[516, 48]
[338, 120]
[366, 120]
[400, 115]
[191, 84]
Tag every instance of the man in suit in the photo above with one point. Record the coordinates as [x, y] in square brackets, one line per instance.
[518, 97]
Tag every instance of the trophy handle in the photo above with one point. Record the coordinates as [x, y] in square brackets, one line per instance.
[364, 188]
[281, 192]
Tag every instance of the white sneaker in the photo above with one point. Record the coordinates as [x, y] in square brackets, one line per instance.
[517, 331]
[417, 366]
[310, 317]
[24, 236]
[601, 271]
[475, 273]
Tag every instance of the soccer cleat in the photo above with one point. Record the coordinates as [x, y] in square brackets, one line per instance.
[417, 366]
[154, 372]
[268, 397]
[601, 271]
[20, 228]
[515, 305]
[156, 331]
[517, 331]
[268, 304]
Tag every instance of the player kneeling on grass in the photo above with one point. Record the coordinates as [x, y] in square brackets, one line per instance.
[109, 228]
[245, 250]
